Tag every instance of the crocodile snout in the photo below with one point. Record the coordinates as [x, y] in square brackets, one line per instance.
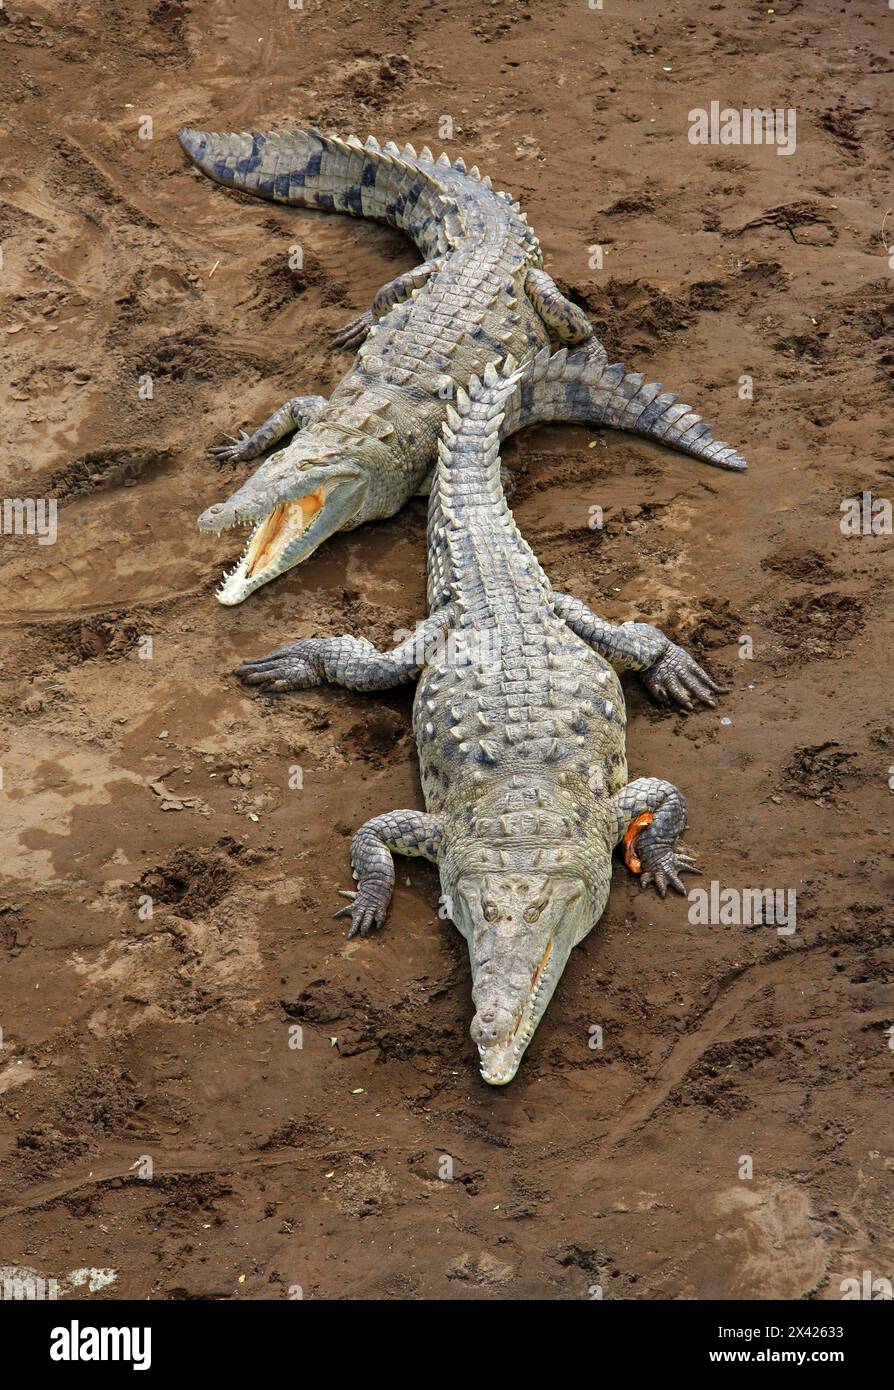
[491, 1026]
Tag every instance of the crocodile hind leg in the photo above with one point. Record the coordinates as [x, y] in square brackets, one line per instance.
[352, 662]
[668, 672]
[297, 412]
[395, 292]
[397, 832]
[650, 816]
[569, 323]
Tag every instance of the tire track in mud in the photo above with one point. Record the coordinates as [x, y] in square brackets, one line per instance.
[744, 984]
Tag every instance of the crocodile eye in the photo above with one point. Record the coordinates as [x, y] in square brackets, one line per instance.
[533, 912]
[490, 912]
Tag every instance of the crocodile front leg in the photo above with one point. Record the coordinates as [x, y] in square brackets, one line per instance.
[297, 412]
[397, 832]
[395, 292]
[352, 662]
[650, 816]
[564, 319]
[668, 672]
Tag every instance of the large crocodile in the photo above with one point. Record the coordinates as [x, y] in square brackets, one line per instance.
[519, 717]
[480, 293]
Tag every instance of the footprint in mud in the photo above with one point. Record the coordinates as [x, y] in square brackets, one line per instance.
[190, 883]
[818, 773]
[770, 1241]
[815, 626]
[275, 286]
[803, 564]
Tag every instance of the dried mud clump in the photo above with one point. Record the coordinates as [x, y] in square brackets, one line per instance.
[818, 773]
[191, 882]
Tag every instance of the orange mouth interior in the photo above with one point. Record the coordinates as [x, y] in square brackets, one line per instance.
[283, 524]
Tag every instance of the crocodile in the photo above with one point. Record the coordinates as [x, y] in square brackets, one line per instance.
[480, 293]
[519, 717]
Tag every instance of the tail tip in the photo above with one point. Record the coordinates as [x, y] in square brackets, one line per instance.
[193, 142]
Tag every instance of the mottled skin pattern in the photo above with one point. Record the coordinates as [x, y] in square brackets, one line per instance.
[519, 721]
[372, 444]
[480, 293]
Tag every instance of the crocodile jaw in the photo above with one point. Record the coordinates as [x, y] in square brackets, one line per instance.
[283, 536]
[520, 929]
[500, 1061]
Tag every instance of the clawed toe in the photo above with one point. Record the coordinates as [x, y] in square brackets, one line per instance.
[236, 450]
[354, 333]
[667, 870]
[676, 678]
[364, 915]
[282, 670]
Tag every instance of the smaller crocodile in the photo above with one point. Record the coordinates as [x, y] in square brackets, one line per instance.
[518, 717]
[480, 293]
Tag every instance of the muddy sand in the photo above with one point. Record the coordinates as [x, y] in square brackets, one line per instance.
[136, 1045]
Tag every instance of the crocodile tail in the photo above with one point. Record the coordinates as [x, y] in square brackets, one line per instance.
[304, 168]
[580, 388]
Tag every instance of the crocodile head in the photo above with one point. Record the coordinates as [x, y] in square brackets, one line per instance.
[292, 504]
[520, 928]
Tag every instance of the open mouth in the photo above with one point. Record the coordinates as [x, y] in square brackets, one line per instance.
[291, 530]
[279, 540]
[275, 533]
[274, 545]
[499, 1062]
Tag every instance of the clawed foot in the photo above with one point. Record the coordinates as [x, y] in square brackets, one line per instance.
[676, 677]
[288, 668]
[662, 865]
[239, 450]
[354, 333]
[367, 909]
